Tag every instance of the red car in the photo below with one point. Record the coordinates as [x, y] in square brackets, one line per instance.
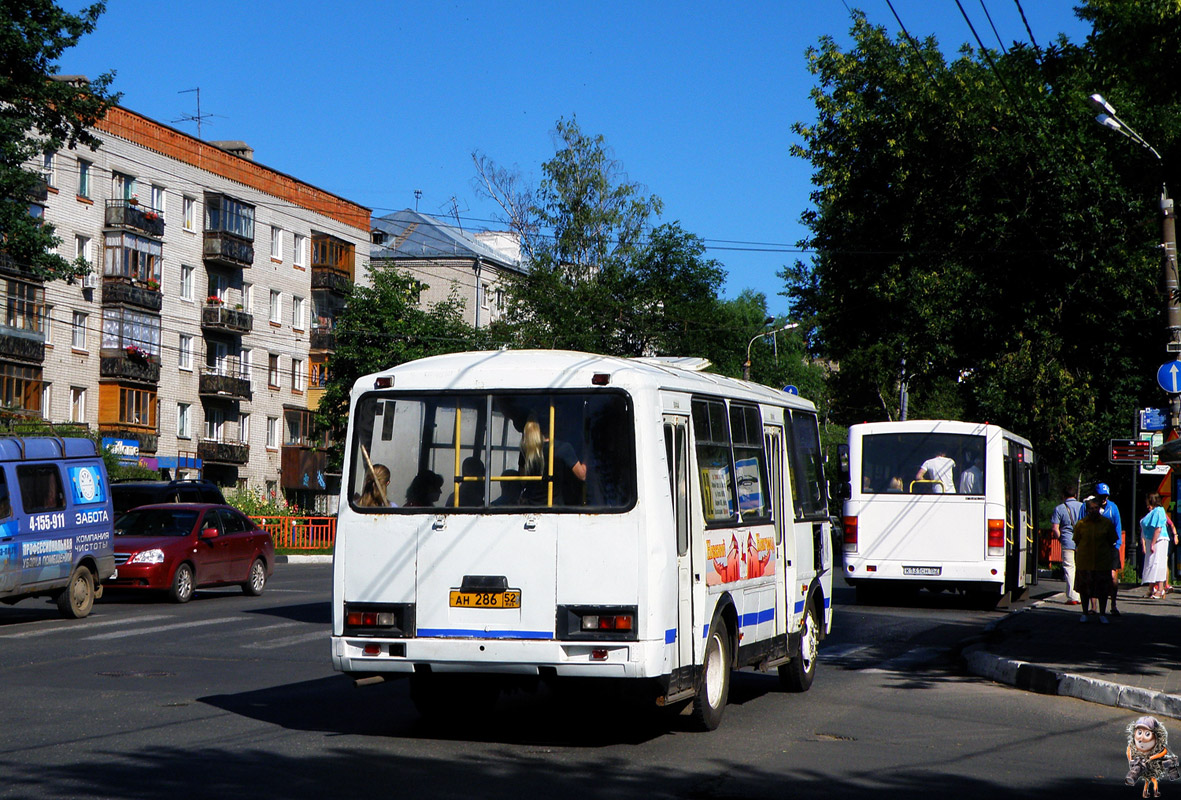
[180, 546]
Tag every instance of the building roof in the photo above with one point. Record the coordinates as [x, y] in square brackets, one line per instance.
[410, 235]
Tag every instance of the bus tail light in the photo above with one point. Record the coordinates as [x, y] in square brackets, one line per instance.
[850, 524]
[605, 622]
[597, 622]
[996, 537]
[384, 619]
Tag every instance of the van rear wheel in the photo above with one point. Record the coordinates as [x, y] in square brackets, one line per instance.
[76, 600]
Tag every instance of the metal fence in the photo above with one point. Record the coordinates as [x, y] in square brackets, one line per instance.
[300, 533]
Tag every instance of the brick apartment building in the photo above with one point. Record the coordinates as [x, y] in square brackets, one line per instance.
[199, 342]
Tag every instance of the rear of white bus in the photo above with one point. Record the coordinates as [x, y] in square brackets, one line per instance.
[496, 575]
[905, 527]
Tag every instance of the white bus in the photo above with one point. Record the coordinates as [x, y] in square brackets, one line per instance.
[940, 504]
[674, 526]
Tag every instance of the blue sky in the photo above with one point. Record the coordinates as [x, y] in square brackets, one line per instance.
[373, 100]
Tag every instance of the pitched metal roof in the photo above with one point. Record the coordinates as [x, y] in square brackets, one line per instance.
[411, 235]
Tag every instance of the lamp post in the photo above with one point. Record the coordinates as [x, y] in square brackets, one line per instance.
[1109, 119]
[756, 337]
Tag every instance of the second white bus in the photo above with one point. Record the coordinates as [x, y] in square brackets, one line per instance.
[673, 527]
[941, 504]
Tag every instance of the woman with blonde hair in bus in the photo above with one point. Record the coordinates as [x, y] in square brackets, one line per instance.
[533, 460]
[375, 491]
[1154, 538]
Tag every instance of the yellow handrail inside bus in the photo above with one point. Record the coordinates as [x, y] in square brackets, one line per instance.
[923, 481]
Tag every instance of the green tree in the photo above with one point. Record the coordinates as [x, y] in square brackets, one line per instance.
[969, 218]
[381, 327]
[39, 115]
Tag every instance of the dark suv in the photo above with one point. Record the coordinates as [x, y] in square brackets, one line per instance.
[132, 494]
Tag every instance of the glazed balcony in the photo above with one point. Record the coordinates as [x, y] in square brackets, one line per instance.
[228, 250]
[130, 215]
[22, 345]
[119, 291]
[224, 452]
[331, 280]
[216, 318]
[322, 338]
[128, 366]
[227, 384]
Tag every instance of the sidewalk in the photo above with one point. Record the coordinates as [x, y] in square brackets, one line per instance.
[1134, 662]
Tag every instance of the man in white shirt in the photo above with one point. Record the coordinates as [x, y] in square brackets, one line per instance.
[941, 468]
[971, 479]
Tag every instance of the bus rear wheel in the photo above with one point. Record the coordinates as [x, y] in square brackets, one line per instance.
[797, 675]
[713, 684]
[76, 600]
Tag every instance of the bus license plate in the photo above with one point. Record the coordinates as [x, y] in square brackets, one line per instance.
[510, 598]
[922, 570]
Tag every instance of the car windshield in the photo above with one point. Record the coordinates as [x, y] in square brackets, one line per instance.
[156, 522]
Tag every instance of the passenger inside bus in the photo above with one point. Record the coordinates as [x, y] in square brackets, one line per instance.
[471, 485]
[569, 473]
[375, 491]
[425, 490]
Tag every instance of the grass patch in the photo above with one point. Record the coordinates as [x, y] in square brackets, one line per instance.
[300, 551]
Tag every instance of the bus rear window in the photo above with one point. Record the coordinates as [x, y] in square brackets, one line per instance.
[497, 451]
[922, 463]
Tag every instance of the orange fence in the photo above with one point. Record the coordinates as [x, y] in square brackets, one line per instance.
[300, 533]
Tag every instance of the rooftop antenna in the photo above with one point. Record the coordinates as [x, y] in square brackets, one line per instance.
[417, 196]
[454, 202]
[198, 117]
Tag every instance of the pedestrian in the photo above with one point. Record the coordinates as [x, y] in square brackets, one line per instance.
[1154, 538]
[1110, 510]
[1062, 522]
[1094, 536]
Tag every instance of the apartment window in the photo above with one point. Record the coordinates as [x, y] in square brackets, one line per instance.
[299, 424]
[297, 374]
[484, 296]
[46, 404]
[137, 407]
[23, 305]
[217, 286]
[297, 313]
[299, 257]
[132, 256]
[158, 199]
[248, 297]
[125, 327]
[276, 306]
[273, 371]
[272, 433]
[189, 211]
[82, 249]
[277, 243]
[83, 178]
[77, 404]
[122, 186]
[48, 171]
[244, 428]
[186, 282]
[78, 331]
[20, 387]
[47, 325]
[185, 352]
[248, 365]
[214, 424]
[184, 421]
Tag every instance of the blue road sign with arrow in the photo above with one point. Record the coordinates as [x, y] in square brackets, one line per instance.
[1169, 377]
[789, 389]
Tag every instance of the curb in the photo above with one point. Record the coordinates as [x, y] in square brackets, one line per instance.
[1043, 680]
[303, 559]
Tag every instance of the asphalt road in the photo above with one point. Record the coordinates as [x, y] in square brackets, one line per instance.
[231, 695]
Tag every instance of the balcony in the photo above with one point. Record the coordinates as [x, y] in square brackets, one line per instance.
[117, 291]
[148, 441]
[129, 215]
[221, 383]
[228, 250]
[219, 319]
[323, 339]
[226, 452]
[21, 345]
[331, 280]
[120, 364]
[9, 266]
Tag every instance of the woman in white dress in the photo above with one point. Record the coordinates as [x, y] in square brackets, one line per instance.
[1154, 538]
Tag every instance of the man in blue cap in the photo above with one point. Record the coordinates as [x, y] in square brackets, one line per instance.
[1108, 509]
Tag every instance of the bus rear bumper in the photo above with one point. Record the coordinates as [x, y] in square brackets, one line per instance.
[857, 570]
[642, 659]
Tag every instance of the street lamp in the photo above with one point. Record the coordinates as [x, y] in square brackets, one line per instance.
[757, 336]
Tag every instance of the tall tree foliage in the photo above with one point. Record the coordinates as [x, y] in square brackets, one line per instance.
[38, 116]
[969, 218]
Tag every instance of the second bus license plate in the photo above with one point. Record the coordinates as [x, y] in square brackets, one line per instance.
[510, 598]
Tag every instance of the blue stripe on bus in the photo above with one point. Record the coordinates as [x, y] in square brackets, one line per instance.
[799, 606]
[755, 617]
[481, 634]
[670, 636]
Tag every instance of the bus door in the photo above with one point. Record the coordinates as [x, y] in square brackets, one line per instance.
[676, 446]
[773, 444]
[1015, 519]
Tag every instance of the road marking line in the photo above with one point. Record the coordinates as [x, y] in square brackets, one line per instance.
[841, 651]
[284, 641]
[55, 626]
[159, 628]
